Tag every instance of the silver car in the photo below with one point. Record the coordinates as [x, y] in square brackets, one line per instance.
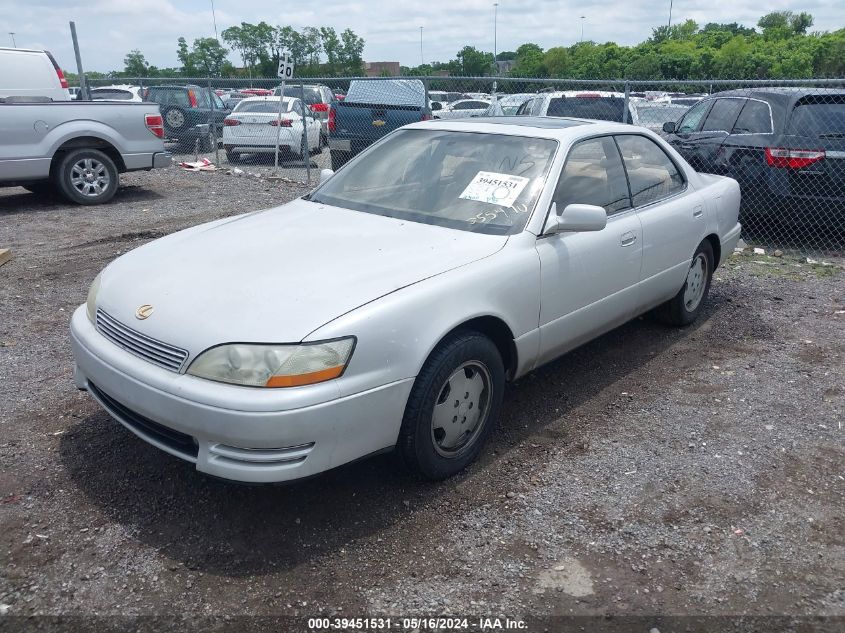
[462, 109]
[387, 309]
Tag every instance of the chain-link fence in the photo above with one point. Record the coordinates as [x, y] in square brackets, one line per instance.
[783, 141]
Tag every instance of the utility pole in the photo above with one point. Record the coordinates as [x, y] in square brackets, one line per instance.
[421, 47]
[12, 34]
[214, 19]
[495, 32]
[83, 83]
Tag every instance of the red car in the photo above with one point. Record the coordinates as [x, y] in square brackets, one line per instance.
[257, 92]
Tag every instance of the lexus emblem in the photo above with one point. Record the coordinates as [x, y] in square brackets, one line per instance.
[144, 311]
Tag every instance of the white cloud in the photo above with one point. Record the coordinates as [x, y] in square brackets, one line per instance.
[108, 29]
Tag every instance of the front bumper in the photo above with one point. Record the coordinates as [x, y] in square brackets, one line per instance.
[241, 441]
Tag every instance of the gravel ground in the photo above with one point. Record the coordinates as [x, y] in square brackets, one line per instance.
[652, 473]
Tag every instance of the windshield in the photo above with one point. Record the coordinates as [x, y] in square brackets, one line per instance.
[487, 183]
[263, 107]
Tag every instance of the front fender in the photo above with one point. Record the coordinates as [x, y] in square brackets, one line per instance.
[398, 332]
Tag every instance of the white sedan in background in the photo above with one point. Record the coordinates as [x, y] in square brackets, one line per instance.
[462, 109]
[387, 309]
[253, 127]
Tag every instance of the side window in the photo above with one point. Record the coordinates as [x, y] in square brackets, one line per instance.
[593, 174]
[692, 119]
[525, 108]
[722, 115]
[651, 173]
[755, 118]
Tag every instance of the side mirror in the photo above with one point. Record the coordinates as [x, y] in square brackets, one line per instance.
[669, 127]
[325, 174]
[575, 217]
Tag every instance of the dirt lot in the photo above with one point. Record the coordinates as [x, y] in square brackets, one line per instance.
[654, 472]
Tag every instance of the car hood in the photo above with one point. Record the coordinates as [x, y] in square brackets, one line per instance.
[275, 276]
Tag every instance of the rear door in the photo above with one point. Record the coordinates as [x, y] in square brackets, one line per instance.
[718, 124]
[672, 217]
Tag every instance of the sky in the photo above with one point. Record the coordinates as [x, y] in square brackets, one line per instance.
[108, 29]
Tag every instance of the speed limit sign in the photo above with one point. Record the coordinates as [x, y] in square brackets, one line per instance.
[285, 66]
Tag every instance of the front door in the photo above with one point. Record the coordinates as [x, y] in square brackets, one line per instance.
[589, 280]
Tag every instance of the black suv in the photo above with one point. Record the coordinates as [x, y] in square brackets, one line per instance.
[188, 113]
[785, 147]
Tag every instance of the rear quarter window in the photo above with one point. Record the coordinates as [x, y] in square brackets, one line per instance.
[169, 97]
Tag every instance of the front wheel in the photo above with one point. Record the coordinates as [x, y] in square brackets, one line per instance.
[453, 406]
[87, 176]
[684, 307]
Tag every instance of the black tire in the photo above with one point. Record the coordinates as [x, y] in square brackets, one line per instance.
[175, 120]
[678, 311]
[207, 142]
[73, 163]
[417, 446]
[339, 159]
[233, 157]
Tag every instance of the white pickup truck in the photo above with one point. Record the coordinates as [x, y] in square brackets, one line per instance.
[77, 147]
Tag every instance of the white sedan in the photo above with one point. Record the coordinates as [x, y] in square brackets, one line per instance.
[462, 109]
[254, 127]
[387, 309]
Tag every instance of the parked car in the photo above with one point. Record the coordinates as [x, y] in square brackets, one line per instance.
[462, 109]
[231, 99]
[653, 114]
[257, 92]
[78, 148]
[31, 73]
[190, 113]
[253, 127]
[602, 106]
[438, 264]
[74, 91]
[508, 104]
[123, 92]
[785, 147]
[371, 110]
[317, 98]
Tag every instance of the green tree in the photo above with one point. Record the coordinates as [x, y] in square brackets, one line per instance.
[135, 65]
[557, 61]
[529, 61]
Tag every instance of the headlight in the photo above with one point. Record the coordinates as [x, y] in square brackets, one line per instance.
[91, 303]
[274, 365]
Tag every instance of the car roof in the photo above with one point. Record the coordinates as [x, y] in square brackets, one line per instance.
[778, 93]
[561, 128]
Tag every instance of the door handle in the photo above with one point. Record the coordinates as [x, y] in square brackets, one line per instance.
[627, 239]
[697, 212]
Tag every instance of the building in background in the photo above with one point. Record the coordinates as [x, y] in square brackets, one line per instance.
[382, 69]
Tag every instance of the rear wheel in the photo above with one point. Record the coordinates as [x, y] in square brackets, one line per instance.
[87, 176]
[684, 307]
[453, 406]
[233, 157]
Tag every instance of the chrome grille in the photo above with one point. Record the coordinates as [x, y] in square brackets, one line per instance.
[140, 345]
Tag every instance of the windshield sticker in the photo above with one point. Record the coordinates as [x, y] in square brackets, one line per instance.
[493, 188]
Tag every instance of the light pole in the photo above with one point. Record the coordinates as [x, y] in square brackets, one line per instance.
[583, 17]
[214, 19]
[495, 24]
[12, 35]
[421, 47]
[670, 14]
